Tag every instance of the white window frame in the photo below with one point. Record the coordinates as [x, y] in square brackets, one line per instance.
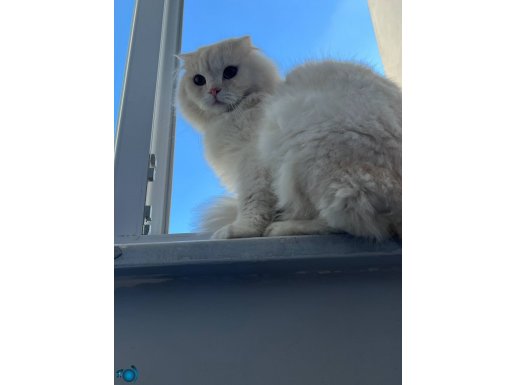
[144, 146]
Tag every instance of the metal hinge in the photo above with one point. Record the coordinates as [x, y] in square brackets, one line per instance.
[147, 219]
[147, 214]
[151, 168]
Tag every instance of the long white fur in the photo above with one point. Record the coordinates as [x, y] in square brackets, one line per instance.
[322, 147]
[218, 214]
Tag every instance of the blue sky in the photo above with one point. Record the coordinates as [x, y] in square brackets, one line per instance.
[123, 11]
[287, 31]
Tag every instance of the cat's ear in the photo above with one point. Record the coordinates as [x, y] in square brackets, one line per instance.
[245, 41]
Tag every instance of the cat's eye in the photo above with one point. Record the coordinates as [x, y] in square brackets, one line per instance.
[199, 80]
[230, 72]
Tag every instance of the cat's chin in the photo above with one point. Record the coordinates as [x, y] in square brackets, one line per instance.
[215, 107]
[218, 106]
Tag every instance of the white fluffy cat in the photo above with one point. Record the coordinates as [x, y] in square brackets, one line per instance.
[319, 152]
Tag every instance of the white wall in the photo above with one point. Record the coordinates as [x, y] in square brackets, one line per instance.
[387, 20]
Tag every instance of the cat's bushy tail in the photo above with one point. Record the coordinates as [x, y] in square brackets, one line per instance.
[221, 212]
[364, 204]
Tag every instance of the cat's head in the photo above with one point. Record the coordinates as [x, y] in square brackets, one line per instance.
[218, 77]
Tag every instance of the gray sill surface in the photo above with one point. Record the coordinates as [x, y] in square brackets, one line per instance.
[193, 254]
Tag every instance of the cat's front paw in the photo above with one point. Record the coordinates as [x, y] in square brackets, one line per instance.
[277, 229]
[234, 230]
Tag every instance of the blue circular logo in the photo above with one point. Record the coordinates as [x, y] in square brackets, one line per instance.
[128, 375]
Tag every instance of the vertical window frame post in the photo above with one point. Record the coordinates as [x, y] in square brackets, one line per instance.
[145, 124]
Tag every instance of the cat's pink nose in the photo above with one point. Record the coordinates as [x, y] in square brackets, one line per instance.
[214, 91]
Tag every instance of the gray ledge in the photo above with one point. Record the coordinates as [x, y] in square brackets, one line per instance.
[192, 254]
